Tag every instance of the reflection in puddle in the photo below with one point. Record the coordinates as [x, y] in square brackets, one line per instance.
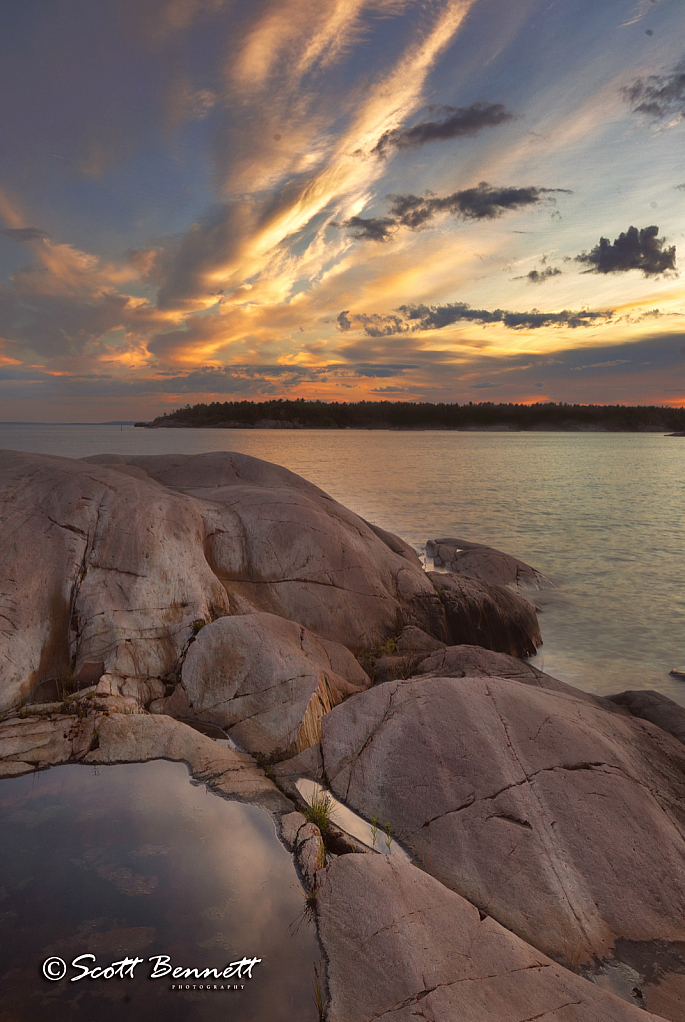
[135, 861]
[381, 840]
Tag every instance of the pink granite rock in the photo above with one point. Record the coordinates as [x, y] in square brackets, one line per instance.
[562, 820]
[401, 947]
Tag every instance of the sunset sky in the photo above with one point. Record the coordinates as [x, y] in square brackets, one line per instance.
[340, 199]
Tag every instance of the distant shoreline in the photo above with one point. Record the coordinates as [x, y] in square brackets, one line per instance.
[405, 416]
[417, 429]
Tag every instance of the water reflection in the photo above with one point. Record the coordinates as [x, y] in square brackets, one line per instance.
[134, 860]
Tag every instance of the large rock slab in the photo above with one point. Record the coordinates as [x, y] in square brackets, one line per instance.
[401, 947]
[563, 821]
[484, 562]
[107, 564]
[267, 680]
[281, 545]
[482, 614]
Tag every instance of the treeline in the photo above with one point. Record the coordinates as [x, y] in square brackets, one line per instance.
[408, 415]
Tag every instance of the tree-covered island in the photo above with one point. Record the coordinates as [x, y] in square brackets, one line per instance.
[404, 415]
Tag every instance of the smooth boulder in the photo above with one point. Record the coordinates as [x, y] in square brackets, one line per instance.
[476, 662]
[563, 821]
[267, 681]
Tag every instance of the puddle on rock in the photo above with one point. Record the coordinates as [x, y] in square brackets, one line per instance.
[353, 824]
[134, 861]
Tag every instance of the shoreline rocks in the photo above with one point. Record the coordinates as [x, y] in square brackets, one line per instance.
[543, 821]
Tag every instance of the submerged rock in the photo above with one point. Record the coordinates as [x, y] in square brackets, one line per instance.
[267, 680]
[561, 820]
[400, 947]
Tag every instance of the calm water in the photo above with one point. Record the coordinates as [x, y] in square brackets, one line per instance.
[602, 515]
[135, 861]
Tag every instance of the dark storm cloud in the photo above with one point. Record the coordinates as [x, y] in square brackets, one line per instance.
[371, 228]
[455, 122]
[483, 202]
[633, 250]
[658, 96]
[435, 317]
[21, 234]
[540, 276]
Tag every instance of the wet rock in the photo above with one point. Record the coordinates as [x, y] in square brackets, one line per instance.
[481, 614]
[484, 562]
[657, 708]
[559, 819]
[267, 680]
[400, 946]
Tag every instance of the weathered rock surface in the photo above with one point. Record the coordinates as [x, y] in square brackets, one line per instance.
[29, 744]
[401, 947]
[563, 821]
[281, 545]
[656, 707]
[108, 565]
[482, 614]
[484, 562]
[267, 680]
[96, 566]
[109, 562]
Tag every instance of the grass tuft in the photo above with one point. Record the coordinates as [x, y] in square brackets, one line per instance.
[318, 990]
[319, 810]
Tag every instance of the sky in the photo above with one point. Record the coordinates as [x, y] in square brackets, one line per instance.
[422, 200]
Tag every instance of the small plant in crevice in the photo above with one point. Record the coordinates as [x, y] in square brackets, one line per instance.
[317, 986]
[374, 831]
[388, 836]
[319, 809]
[266, 763]
[308, 913]
[198, 625]
[66, 682]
